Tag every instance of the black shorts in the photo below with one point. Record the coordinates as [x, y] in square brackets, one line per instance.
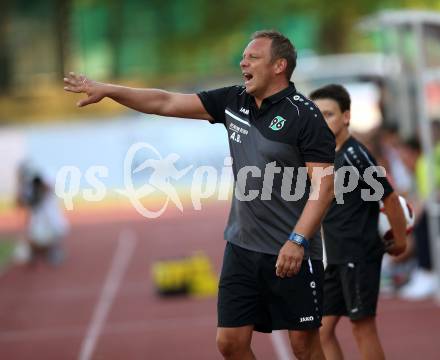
[352, 289]
[250, 293]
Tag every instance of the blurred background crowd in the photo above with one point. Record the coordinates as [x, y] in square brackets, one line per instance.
[386, 52]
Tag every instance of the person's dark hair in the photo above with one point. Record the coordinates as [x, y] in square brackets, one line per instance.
[281, 48]
[413, 143]
[334, 92]
[391, 128]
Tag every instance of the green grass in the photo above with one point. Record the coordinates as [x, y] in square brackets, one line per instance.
[6, 250]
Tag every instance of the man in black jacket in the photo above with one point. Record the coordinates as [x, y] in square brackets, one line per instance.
[353, 246]
[272, 269]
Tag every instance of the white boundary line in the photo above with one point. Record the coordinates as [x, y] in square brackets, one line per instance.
[125, 248]
[281, 348]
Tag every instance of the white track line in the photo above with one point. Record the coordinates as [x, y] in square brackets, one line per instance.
[124, 251]
[281, 348]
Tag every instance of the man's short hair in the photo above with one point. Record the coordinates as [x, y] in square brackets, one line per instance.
[413, 143]
[281, 48]
[334, 92]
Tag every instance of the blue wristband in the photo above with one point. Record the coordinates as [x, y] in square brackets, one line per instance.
[299, 239]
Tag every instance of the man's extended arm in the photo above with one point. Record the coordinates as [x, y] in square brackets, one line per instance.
[291, 255]
[150, 101]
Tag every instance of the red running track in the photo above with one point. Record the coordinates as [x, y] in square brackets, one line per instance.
[100, 304]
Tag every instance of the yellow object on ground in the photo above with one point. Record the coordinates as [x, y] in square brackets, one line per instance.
[193, 275]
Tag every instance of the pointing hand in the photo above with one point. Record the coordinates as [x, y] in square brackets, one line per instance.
[81, 84]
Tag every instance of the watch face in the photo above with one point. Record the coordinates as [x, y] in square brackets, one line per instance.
[299, 239]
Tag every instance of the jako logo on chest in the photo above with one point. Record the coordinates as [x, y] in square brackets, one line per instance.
[244, 111]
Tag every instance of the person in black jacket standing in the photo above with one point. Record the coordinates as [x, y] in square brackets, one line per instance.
[272, 268]
[353, 246]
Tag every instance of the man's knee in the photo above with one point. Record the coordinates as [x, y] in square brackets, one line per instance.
[229, 347]
[230, 344]
[301, 351]
[327, 332]
[364, 327]
[303, 343]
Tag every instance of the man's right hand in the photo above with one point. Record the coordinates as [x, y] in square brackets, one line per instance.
[80, 84]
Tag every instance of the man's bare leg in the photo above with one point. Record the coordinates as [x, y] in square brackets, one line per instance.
[329, 341]
[367, 338]
[235, 343]
[306, 344]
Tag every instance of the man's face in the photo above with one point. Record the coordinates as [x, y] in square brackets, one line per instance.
[257, 67]
[336, 120]
[409, 157]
